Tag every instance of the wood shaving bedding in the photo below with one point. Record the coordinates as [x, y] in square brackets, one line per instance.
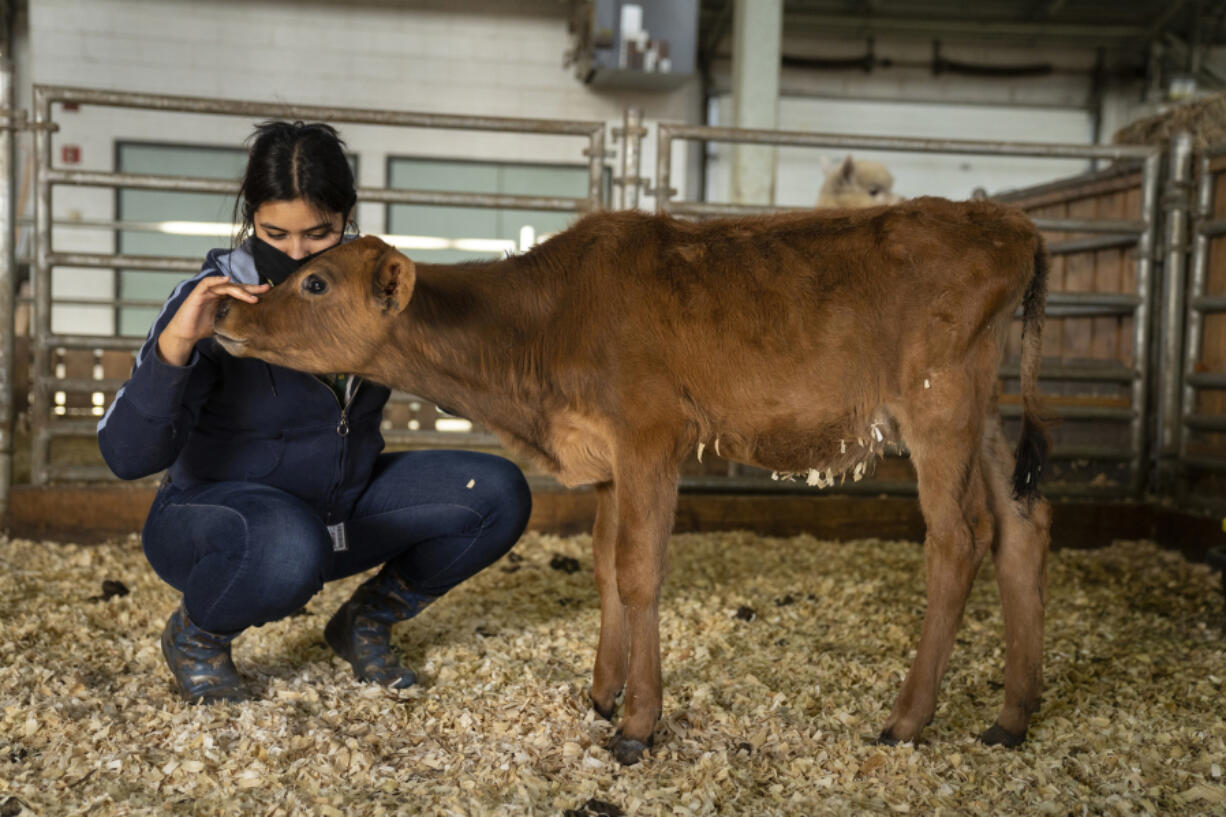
[766, 712]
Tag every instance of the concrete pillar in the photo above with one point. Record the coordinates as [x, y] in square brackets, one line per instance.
[757, 29]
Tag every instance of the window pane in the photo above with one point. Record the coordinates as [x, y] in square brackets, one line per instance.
[478, 222]
[166, 205]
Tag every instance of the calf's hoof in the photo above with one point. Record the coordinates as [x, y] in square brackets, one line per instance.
[628, 751]
[999, 736]
[886, 739]
[607, 714]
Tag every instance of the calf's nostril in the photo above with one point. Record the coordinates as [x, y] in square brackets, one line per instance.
[223, 309]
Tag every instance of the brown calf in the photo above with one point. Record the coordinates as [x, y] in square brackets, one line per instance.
[803, 343]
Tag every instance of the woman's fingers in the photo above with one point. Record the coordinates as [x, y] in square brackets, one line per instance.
[221, 287]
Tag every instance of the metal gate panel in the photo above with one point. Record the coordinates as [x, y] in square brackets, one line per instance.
[1202, 445]
[48, 379]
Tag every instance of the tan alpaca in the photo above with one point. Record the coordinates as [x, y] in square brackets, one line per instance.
[857, 183]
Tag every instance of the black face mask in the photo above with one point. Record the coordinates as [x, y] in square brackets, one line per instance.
[275, 266]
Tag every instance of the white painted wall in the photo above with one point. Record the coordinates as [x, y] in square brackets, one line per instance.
[799, 172]
[487, 58]
[907, 99]
[502, 58]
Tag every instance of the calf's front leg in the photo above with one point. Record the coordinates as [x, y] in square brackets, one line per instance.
[646, 498]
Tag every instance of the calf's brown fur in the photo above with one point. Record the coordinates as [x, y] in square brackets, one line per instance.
[803, 343]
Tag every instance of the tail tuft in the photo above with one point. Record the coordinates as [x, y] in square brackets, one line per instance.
[1032, 447]
[1031, 458]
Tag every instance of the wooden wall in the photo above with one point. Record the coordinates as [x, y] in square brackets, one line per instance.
[1085, 341]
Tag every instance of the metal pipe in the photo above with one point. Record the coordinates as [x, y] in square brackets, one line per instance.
[104, 260]
[1118, 301]
[1069, 225]
[110, 302]
[1207, 303]
[1213, 466]
[595, 182]
[1203, 422]
[632, 133]
[1087, 311]
[1171, 336]
[1106, 453]
[1108, 373]
[1079, 245]
[142, 181]
[1207, 380]
[360, 116]
[93, 342]
[436, 438]
[82, 384]
[79, 473]
[8, 264]
[188, 184]
[1103, 413]
[764, 484]
[664, 170]
[445, 198]
[1140, 323]
[75, 428]
[1212, 228]
[857, 142]
[40, 405]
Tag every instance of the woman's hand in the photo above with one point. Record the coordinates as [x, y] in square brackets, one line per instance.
[194, 319]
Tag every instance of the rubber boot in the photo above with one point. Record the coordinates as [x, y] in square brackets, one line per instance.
[200, 661]
[360, 631]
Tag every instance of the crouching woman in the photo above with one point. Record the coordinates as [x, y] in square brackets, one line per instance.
[276, 481]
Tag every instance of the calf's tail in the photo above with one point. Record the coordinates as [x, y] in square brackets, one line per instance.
[1032, 448]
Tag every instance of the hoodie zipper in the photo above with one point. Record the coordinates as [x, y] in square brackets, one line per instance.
[342, 427]
[342, 430]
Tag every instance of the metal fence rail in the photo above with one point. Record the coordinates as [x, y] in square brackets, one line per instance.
[45, 381]
[1153, 393]
[1108, 233]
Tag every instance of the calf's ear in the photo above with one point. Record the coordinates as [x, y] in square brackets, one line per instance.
[393, 282]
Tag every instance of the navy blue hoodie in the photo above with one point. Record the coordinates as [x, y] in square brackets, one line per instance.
[225, 418]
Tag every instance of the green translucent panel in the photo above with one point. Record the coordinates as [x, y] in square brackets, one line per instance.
[479, 222]
[181, 160]
[166, 205]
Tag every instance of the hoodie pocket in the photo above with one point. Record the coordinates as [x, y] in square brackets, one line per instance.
[220, 457]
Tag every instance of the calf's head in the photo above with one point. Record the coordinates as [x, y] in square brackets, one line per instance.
[331, 315]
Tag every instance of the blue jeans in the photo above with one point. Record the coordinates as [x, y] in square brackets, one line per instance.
[244, 554]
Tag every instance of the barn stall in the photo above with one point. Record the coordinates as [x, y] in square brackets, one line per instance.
[786, 628]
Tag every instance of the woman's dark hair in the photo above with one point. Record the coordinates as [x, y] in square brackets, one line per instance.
[291, 160]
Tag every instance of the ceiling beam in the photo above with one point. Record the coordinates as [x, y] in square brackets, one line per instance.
[1173, 7]
[946, 29]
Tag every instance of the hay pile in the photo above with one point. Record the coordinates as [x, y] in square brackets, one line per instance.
[781, 659]
[1204, 118]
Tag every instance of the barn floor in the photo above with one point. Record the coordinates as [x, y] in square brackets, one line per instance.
[765, 713]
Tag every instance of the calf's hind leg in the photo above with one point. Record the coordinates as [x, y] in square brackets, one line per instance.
[609, 674]
[959, 530]
[1020, 554]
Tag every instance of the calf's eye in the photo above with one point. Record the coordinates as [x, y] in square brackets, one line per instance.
[314, 285]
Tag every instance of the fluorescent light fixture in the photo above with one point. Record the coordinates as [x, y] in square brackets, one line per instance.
[195, 228]
[494, 246]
